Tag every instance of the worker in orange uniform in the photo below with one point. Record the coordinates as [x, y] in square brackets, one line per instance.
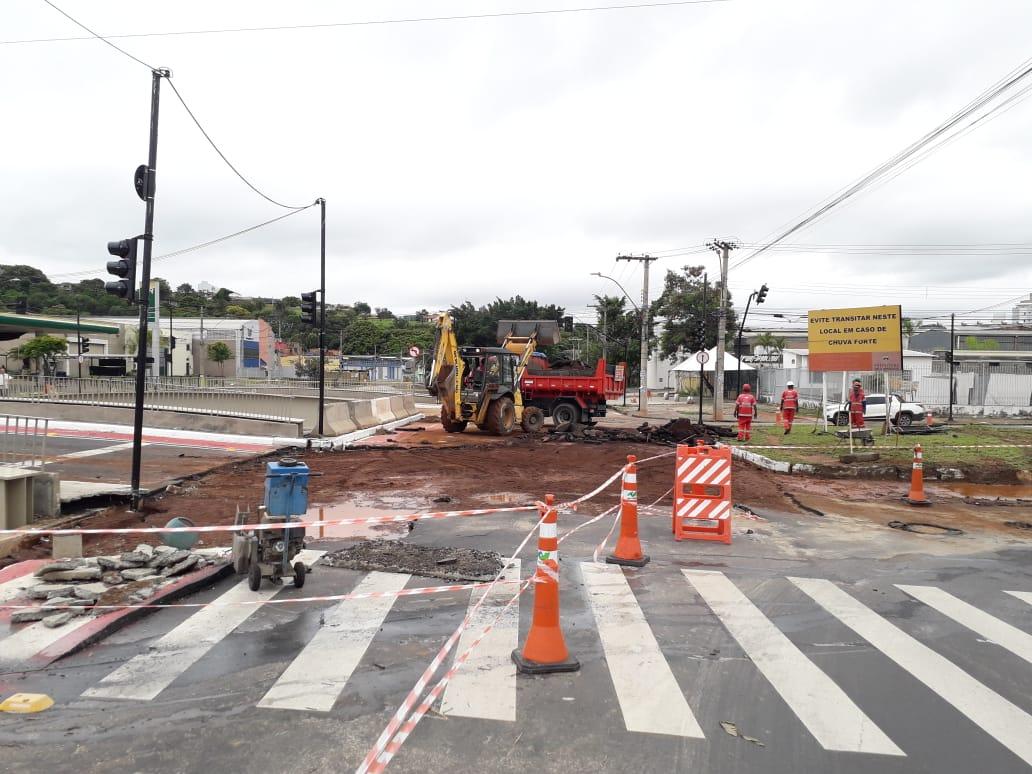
[745, 411]
[857, 405]
[789, 406]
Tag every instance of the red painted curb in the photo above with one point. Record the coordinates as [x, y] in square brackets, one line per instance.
[17, 570]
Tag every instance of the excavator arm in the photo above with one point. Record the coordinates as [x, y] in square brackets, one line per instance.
[447, 368]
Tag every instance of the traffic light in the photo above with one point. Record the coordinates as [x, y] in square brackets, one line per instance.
[310, 308]
[124, 267]
[173, 342]
[84, 346]
[761, 295]
[21, 306]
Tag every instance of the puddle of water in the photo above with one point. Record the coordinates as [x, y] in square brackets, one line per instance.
[988, 491]
[351, 510]
[507, 498]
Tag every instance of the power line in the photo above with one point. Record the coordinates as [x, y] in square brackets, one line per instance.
[222, 155]
[194, 248]
[906, 154]
[95, 35]
[371, 22]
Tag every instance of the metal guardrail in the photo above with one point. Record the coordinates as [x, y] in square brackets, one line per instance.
[23, 441]
[58, 387]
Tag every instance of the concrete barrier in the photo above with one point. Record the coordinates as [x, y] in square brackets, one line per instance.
[339, 418]
[167, 419]
[399, 409]
[362, 412]
[382, 410]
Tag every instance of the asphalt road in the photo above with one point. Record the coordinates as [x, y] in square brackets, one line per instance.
[799, 634]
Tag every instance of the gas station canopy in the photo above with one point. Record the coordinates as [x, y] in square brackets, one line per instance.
[13, 326]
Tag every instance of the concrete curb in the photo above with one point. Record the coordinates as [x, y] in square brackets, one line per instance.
[342, 442]
[767, 463]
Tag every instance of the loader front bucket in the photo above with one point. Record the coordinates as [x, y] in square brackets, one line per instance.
[547, 330]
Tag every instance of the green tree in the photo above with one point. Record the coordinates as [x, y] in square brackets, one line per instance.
[680, 304]
[219, 352]
[770, 342]
[44, 350]
[361, 337]
[478, 326]
[234, 310]
[361, 307]
[976, 343]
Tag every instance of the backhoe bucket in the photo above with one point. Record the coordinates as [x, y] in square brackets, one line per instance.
[547, 330]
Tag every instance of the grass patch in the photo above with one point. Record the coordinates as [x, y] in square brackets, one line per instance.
[939, 449]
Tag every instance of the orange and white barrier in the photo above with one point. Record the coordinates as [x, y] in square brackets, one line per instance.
[917, 495]
[628, 547]
[545, 649]
[702, 493]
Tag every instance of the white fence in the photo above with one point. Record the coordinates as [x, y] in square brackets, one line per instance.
[978, 388]
[23, 441]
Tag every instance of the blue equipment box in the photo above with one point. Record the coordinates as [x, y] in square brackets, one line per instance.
[286, 488]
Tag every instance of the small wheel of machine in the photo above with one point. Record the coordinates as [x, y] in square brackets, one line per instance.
[254, 576]
[565, 414]
[299, 574]
[533, 419]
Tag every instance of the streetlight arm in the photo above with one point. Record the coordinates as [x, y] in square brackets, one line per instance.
[626, 295]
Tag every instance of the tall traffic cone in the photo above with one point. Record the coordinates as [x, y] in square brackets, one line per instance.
[628, 548]
[917, 495]
[545, 649]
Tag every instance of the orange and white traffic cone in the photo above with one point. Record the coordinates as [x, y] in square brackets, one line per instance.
[929, 419]
[917, 495]
[628, 548]
[545, 649]
[778, 419]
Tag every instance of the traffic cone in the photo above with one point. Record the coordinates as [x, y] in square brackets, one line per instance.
[929, 419]
[917, 495]
[628, 548]
[545, 649]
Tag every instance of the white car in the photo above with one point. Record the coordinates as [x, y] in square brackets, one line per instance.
[902, 413]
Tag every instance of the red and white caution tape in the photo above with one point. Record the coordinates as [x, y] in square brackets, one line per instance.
[32, 532]
[378, 757]
[282, 601]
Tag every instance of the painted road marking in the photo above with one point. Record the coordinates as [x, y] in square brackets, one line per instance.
[485, 685]
[1024, 596]
[143, 677]
[824, 708]
[1003, 634]
[649, 696]
[314, 679]
[1002, 720]
[95, 452]
[16, 587]
[20, 646]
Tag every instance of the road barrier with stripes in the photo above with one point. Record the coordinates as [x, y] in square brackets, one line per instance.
[702, 493]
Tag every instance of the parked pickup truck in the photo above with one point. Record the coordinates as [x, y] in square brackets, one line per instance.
[901, 413]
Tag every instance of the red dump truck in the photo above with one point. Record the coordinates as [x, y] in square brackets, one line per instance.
[569, 393]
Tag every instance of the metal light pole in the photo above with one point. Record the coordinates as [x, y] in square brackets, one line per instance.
[322, 312]
[702, 366]
[148, 244]
[723, 248]
[738, 341]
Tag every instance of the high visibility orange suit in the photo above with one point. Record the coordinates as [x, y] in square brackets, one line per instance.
[857, 403]
[789, 406]
[745, 410]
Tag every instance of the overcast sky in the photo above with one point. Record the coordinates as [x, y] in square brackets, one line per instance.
[481, 158]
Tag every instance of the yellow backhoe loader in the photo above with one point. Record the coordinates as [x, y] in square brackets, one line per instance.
[482, 384]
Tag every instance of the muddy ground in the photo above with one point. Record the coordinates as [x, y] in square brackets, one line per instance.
[429, 470]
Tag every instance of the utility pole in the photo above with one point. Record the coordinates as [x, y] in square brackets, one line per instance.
[702, 344]
[643, 387]
[148, 244]
[78, 347]
[723, 249]
[953, 319]
[322, 312]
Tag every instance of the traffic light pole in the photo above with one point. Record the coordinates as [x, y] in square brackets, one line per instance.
[702, 345]
[144, 298]
[322, 312]
[738, 341]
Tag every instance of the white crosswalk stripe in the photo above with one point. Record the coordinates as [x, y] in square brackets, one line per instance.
[998, 717]
[1003, 634]
[824, 708]
[1024, 596]
[314, 679]
[485, 685]
[650, 699]
[142, 678]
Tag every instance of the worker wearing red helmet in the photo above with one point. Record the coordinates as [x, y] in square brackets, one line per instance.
[789, 406]
[857, 405]
[745, 411]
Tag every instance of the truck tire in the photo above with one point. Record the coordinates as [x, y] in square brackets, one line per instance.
[449, 423]
[565, 414]
[501, 416]
[533, 420]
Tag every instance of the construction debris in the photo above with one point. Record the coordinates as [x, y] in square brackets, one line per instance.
[673, 432]
[71, 587]
[465, 564]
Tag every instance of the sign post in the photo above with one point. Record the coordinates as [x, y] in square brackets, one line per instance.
[702, 356]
